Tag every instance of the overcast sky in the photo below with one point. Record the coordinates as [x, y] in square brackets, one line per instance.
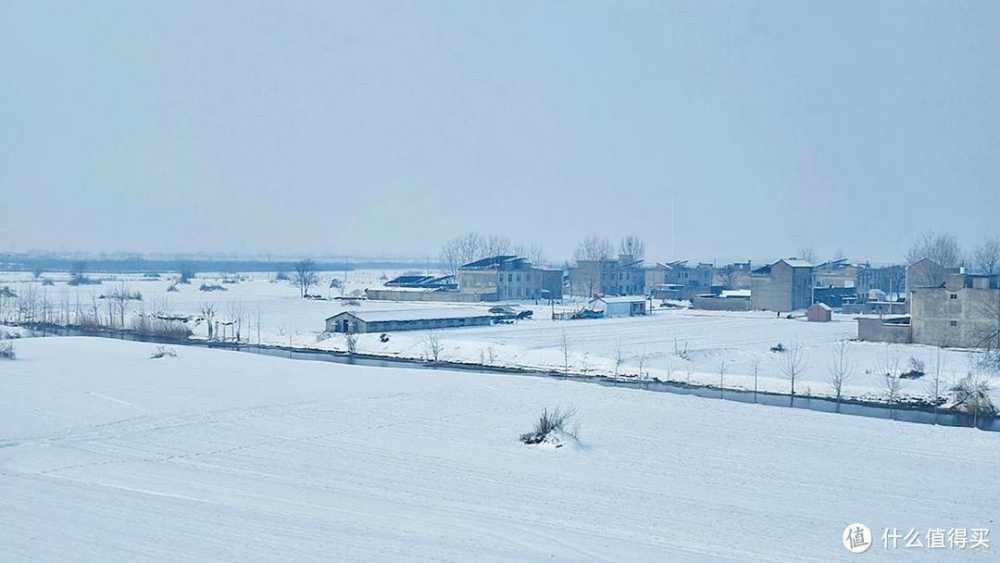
[384, 128]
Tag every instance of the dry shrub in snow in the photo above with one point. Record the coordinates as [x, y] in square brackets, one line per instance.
[211, 287]
[163, 352]
[972, 395]
[551, 428]
[7, 350]
[163, 328]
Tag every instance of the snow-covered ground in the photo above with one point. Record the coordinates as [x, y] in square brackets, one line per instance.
[106, 454]
[677, 344]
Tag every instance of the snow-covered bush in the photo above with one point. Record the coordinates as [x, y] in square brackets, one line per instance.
[551, 428]
[972, 395]
[7, 350]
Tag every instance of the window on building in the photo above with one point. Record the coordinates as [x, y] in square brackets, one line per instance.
[953, 296]
[953, 323]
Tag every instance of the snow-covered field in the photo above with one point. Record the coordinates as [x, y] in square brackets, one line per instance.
[684, 345]
[106, 455]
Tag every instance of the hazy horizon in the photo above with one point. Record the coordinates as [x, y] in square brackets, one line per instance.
[382, 130]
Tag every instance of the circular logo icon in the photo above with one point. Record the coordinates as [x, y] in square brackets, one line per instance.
[857, 538]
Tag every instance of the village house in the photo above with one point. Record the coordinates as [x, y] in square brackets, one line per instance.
[890, 280]
[952, 310]
[509, 277]
[840, 273]
[783, 286]
[964, 311]
[734, 276]
[621, 276]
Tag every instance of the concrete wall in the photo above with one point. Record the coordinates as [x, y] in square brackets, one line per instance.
[773, 291]
[720, 303]
[877, 330]
[876, 308]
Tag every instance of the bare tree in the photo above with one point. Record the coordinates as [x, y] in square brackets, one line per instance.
[474, 246]
[633, 247]
[989, 337]
[808, 254]
[433, 346]
[641, 359]
[972, 394]
[794, 364]
[942, 248]
[565, 351]
[534, 253]
[208, 313]
[497, 245]
[120, 298]
[889, 370]
[305, 276]
[619, 357]
[351, 342]
[591, 255]
[986, 256]
[593, 248]
[841, 369]
[237, 314]
[722, 377]
[934, 388]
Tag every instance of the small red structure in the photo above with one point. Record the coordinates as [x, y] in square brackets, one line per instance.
[819, 313]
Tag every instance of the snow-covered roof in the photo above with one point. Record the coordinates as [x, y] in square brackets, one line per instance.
[823, 306]
[735, 293]
[797, 263]
[416, 314]
[625, 299]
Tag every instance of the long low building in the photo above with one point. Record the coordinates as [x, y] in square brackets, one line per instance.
[406, 319]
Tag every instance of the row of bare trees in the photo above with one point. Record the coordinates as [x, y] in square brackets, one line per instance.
[944, 249]
[474, 246]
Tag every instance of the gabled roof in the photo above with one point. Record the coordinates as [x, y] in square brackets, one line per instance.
[490, 262]
[838, 263]
[791, 262]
